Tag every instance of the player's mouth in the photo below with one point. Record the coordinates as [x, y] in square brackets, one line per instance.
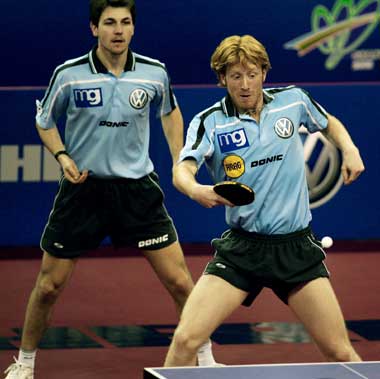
[245, 97]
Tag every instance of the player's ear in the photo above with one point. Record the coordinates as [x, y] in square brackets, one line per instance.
[94, 29]
[264, 75]
[222, 80]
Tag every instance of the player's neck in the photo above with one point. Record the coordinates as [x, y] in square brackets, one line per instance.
[114, 63]
[255, 111]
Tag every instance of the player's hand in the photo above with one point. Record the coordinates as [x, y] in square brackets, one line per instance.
[70, 170]
[352, 165]
[206, 196]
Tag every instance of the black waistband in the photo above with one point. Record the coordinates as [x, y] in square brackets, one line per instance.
[273, 237]
[97, 179]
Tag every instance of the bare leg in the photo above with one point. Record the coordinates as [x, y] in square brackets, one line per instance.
[170, 267]
[211, 301]
[317, 307]
[53, 276]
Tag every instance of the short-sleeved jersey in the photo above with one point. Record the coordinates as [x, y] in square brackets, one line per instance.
[267, 155]
[107, 117]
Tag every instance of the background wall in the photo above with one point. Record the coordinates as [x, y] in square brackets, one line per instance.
[39, 35]
[342, 73]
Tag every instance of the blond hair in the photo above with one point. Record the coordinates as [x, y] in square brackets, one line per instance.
[239, 49]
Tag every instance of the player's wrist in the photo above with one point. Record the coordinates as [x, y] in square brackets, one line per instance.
[193, 189]
[60, 153]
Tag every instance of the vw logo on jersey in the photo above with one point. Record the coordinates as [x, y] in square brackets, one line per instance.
[284, 127]
[138, 98]
[323, 162]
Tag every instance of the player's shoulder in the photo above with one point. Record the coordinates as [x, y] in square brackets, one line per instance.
[71, 65]
[282, 90]
[144, 60]
[285, 93]
[210, 113]
[70, 68]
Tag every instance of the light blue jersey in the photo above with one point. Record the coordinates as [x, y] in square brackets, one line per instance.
[107, 117]
[268, 156]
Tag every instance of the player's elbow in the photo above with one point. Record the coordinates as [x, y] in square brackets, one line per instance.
[176, 177]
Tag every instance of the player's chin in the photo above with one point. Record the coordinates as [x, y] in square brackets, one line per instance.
[245, 103]
[118, 49]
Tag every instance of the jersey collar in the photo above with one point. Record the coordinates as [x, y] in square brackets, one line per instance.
[97, 66]
[229, 108]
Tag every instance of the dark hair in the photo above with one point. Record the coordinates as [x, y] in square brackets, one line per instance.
[98, 6]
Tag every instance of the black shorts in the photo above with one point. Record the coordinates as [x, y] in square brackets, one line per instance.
[129, 211]
[252, 261]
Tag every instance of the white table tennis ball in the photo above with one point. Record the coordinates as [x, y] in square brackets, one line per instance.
[327, 242]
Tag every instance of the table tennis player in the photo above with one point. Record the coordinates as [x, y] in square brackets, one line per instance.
[252, 136]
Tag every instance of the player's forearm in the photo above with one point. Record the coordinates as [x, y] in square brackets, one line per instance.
[352, 165]
[338, 135]
[51, 139]
[175, 142]
[184, 177]
[173, 129]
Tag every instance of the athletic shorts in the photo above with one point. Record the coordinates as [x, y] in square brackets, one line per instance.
[129, 211]
[252, 261]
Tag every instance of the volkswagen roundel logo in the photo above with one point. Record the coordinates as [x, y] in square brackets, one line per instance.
[323, 167]
[138, 98]
[284, 128]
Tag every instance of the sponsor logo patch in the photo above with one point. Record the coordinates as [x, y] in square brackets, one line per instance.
[264, 161]
[234, 166]
[112, 124]
[232, 140]
[39, 108]
[284, 127]
[153, 241]
[138, 98]
[88, 97]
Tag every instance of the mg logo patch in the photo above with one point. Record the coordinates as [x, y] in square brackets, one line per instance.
[323, 162]
[233, 140]
[138, 98]
[88, 97]
[284, 128]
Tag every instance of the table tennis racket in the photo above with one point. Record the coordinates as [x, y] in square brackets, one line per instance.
[235, 192]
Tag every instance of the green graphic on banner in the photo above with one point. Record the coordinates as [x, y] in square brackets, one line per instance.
[331, 34]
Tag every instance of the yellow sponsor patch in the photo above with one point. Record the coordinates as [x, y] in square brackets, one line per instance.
[234, 166]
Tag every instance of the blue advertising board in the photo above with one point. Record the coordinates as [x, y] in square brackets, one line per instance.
[28, 173]
[308, 41]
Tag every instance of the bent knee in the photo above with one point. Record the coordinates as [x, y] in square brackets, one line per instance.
[180, 284]
[47, 291]
[185, 340]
